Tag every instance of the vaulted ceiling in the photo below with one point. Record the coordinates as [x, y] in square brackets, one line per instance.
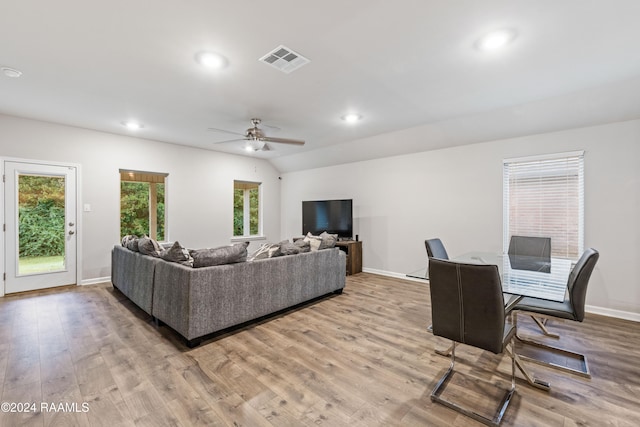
[399, 64]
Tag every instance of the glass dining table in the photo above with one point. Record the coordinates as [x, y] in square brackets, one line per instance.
[544, 278]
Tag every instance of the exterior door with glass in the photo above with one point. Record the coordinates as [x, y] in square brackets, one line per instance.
[40, 226]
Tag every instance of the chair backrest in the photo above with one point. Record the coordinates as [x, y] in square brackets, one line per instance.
[435, 249]
[578, 281]
[467, 305]
[530, 246]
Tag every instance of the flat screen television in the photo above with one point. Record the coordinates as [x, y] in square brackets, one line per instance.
[332, 216]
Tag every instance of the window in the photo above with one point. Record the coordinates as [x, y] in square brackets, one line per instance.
[142, 204]
[246, 209]
[544, 197]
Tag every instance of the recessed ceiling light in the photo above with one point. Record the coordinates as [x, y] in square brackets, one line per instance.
[11, 72]
[352, 117]
[211, 60]
[496, 40]
[132, 125]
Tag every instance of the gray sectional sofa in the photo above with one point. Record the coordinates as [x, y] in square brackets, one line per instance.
[197, 302]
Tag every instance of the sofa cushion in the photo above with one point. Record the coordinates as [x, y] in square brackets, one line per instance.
[218, 256]
[148, 246]
[177, 253]
[288, 248]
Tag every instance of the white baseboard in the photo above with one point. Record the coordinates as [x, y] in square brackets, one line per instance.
[618, 314]
[95, 281]
[392, 274]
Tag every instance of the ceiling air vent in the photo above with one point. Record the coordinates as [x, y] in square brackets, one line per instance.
[284, 59]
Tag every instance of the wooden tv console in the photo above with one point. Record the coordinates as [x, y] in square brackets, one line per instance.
[353, 249]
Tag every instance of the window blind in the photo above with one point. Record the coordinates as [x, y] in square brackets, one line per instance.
[544, 197]
[138, 176]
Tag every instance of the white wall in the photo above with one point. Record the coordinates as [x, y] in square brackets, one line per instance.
[199, 187]
[456, 194]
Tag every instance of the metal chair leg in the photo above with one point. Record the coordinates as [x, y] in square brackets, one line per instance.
[581, 358]
[502, 407]
[531, 379]
[445, 353]
[583, 371]
[542, 324]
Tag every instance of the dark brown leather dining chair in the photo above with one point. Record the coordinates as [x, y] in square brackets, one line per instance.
[523, 247]
[467, 307]
[530, 246]
[435, 249]
[572, 308]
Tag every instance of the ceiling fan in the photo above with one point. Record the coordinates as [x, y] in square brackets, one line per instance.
[257, 140]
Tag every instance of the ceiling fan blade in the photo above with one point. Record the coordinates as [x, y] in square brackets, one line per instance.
[283, 140]
[229, 140]
[275, 128]
[225, 131]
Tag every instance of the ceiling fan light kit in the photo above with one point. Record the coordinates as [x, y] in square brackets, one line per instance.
[256, 145]
[257, 140]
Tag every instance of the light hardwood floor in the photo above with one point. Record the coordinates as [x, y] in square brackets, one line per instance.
[363, 358]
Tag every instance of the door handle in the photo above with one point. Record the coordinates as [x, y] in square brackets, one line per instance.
[72, 232]
[71, 224]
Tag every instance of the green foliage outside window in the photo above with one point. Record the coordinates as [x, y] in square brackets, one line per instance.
[41, 215]
[253, 211]
[134, 208]
[238, 211]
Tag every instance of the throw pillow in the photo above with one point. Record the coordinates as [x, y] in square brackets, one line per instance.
[328, 240]
[302, 245]
[148, 246]
[177, 253]
[288, 248]
[266, 250]
[314, 241]
[126, 239]
[274, 251]
[132, 244]
[218, 256]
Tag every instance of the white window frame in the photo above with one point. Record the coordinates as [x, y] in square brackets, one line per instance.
[152, 183]
[537, 165]
[246, 217]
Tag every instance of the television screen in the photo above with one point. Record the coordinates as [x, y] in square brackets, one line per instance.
[332, 216]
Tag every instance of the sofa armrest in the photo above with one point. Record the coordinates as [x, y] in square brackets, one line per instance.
[133, 274]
